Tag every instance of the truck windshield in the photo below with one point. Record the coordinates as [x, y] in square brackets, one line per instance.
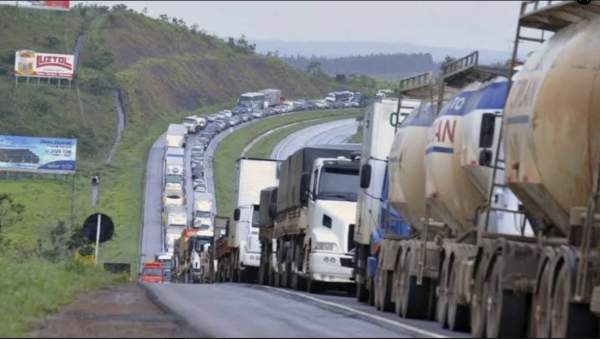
[256, 216]
[152, 271]
[190, 121]
[202, 214]
[173, 179]
[338, 184]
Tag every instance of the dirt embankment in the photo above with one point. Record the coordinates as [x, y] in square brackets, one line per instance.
[123, 311]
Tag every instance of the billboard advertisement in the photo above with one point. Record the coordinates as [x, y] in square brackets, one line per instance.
[40, 155]
[43, 65]
[46, 4]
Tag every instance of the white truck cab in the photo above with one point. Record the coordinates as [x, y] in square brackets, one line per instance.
[175, 221]
[332, 197]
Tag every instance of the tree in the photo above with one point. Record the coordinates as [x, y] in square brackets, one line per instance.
[145, 11]
[164, 17]
[10, 211]
[314, 68]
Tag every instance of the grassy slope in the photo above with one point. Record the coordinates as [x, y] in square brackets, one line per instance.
[230, 148]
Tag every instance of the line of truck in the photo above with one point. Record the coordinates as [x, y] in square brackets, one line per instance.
[473, 201]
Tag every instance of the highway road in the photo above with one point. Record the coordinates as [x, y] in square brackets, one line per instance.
[333, 132]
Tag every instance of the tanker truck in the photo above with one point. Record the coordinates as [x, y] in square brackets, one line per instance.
[552, 153]
[314, 219]
[437, 185]
[380, 122]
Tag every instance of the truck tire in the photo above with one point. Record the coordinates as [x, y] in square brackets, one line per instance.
[362, 294]
[371, 291]
[506, 312]
[415, 299]
[541, 305]
[441, 313]
[385, 293]
[570, 320]
[458, 314]
[313, 286]
[478, 300]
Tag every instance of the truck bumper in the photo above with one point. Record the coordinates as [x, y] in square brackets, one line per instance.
[328, 267]
[251, 259]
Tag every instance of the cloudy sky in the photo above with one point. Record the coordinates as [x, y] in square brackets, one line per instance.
[462, 24]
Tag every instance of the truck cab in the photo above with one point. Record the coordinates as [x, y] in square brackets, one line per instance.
[152, 272]
[334, 184]
[246, 224]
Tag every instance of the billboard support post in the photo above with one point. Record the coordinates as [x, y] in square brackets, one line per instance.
[97, 238]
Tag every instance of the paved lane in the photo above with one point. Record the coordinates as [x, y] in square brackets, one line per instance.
[151, 241]
[239, 310]
[331, 132]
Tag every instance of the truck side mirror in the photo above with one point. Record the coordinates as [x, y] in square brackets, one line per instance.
[485, 158]
[304, 188]
[365, 176]
[486, 136]
[236, 214]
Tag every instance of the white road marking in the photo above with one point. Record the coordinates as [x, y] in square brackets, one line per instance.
[372, 316]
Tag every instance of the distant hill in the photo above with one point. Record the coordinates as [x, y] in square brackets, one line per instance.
[379, 66]
[164, 68]
[335, 49]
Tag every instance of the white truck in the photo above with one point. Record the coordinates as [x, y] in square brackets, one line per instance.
[204, 212]
[243, 256]
[174, 221]
[194, 123]
[175, 136]
[272, 96]
[175, 161]
[379, 125]
[314, 217]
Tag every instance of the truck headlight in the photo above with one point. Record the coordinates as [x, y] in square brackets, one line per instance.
[326, 246]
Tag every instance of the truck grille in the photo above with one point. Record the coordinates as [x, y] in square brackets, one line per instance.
[351, 237]
[346, 262]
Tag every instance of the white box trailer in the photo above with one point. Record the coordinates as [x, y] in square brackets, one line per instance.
[272, 96]
[252, 176]
[175, 136]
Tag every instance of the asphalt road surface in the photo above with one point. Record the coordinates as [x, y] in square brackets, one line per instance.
[334, 132]
[240, 310]
[151, 241]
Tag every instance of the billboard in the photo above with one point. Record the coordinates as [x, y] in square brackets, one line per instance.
[43, 65]
[46, 4]
[40, 155]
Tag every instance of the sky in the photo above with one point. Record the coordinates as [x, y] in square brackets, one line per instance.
[461, 24]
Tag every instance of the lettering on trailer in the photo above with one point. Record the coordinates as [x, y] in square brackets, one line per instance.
[52, 60]
[441, 135]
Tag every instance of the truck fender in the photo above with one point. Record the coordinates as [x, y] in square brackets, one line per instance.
[549, 257]
[566, 255]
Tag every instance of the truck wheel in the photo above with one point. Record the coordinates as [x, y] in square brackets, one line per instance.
[541, 306]
[442, 298]
[387, 305]
[371, 291]
[506, 314]
[568, 319]
[362, 294]
[415, 301]
[313, 286]
[478, 300]
[458, 315]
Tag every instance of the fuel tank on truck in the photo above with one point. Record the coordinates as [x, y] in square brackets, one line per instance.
[456, 185]
[406, 172]
[552, 125]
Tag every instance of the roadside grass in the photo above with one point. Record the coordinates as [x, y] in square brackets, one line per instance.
[229, 149]
[357, 138]
[31, 288]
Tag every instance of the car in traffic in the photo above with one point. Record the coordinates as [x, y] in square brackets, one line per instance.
[172, 199]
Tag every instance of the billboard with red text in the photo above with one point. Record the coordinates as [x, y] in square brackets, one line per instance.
[44, 65]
